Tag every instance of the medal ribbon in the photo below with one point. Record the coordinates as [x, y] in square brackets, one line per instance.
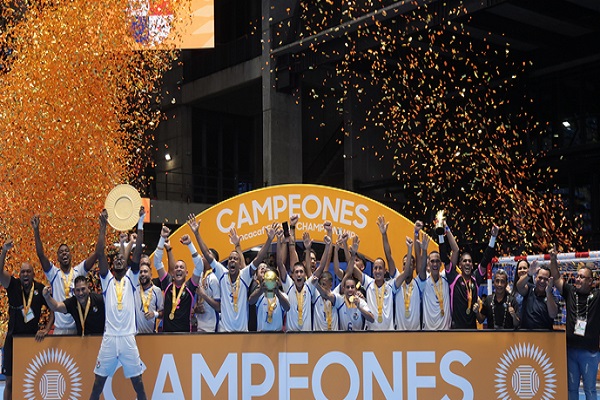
[83, 316]
[439, 293]
[175, 297]
[408, 289]
[119, 285]
[206, 273]
[235, 291]
[327, 308]
[349, 302]
[27, 305]
[67, 279]
[469, 290]
[380, 293]
[300, 301]
[146, 299]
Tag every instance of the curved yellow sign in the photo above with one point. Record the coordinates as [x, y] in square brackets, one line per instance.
[251, 212]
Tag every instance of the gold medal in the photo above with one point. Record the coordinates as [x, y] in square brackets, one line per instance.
[468, 311]
[351, 299]
[119, 306]
[406, 313]
[172, 316]
[235, 308]
[380, 319]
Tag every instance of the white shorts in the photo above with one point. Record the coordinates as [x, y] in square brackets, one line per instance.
[117, 350]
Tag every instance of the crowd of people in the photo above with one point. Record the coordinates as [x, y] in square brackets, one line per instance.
[432, 290]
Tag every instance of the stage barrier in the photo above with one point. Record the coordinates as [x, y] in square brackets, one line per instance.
[337, 365]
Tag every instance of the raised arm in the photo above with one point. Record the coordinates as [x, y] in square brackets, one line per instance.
[387, 250]
[523, 282]
[139, 240]
[101, 245]
[407, 271]
[554, 271]
[292, 240]
[198, 264]
[416, 242]
[264, 250]
[325, 257]
[350, 267]
[453, 247]
[307, 247]
[280, 256]
[235, 240]
[53, 304]
[39, 247]
[195, 227]
[422, 269]
[550, 300]
[4, 275]
[488, 254]
[92, 258]
[158, 253]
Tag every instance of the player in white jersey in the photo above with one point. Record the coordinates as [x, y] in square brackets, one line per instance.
[406, 291]
[380, 293]
[352, 310]
[119, 290]
[325, 316]
[208, 303]
[61, 278]
[149, 302]
[271, 304]
[300, 294]
[435, 291]
[234, 283]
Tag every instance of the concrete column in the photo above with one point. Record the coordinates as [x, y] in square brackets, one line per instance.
[282, 119]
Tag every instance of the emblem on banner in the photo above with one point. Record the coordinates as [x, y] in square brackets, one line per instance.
[525, 372]
[52, 375]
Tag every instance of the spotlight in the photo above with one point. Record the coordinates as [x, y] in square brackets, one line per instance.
[167, 157]
[566, 124]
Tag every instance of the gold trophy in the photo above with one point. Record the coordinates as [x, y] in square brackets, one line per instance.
[439, 226]
[270, 282]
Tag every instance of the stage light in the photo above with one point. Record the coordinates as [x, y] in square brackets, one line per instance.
[167, 157]
[566, 124]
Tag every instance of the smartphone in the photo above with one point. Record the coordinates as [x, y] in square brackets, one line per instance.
[286, 229]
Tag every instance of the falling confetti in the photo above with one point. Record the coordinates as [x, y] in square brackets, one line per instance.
[77, 106]
[452, 113]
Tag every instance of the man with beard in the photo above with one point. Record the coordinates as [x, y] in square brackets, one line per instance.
[583, 328]
[86, 308]
[25, 303]
[234, 283]
[180, 296]
[501, 308]
[119, 290]
[61, 278]
[149, 304]
[539, 305]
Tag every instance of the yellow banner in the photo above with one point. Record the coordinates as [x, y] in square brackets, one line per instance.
[251, 212]
[341, 365]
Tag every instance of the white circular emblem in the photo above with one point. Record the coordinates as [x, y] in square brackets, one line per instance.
[525, 372]
[52, 374]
